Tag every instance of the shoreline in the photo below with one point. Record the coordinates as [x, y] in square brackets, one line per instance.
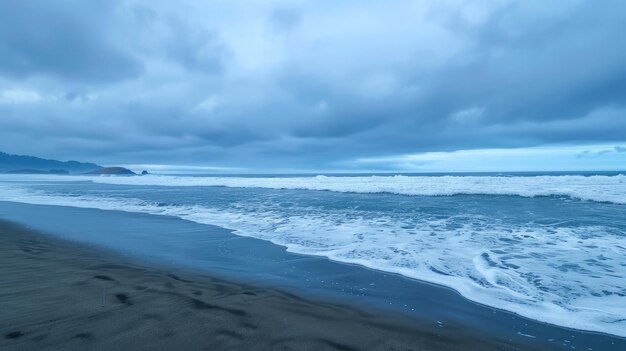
[61, 294]
[185, 248]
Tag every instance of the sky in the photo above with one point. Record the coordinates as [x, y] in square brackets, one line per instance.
[243, 86]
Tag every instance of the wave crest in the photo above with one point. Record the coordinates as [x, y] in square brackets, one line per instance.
[594, 188]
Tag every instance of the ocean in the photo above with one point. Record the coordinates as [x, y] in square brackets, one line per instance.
[549, 247]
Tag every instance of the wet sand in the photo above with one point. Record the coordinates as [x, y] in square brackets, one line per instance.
[57, 294]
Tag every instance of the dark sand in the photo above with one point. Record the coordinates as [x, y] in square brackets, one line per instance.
[61, 295]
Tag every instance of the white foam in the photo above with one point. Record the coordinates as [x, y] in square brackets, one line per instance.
[595, 188]
[567, 275]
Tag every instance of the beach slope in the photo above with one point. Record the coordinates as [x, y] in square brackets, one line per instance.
[62, 295]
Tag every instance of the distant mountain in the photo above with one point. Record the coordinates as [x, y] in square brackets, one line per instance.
[30, 164]
[35, 171]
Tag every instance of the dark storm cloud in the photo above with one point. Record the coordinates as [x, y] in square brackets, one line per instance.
[65, 39]
[169, 36]
[271, 84]
[541, 66]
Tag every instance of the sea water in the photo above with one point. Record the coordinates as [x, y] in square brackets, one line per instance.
[548, 247]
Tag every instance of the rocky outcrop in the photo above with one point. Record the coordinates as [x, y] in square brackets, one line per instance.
[112, 171]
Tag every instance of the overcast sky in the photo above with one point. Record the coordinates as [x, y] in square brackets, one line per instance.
[316, 85]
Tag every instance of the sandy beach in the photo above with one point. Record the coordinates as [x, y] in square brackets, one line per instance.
[57, 294]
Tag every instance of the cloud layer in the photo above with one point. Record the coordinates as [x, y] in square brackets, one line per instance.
[283, 84]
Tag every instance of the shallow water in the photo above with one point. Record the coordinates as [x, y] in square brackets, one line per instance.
[551, 248]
